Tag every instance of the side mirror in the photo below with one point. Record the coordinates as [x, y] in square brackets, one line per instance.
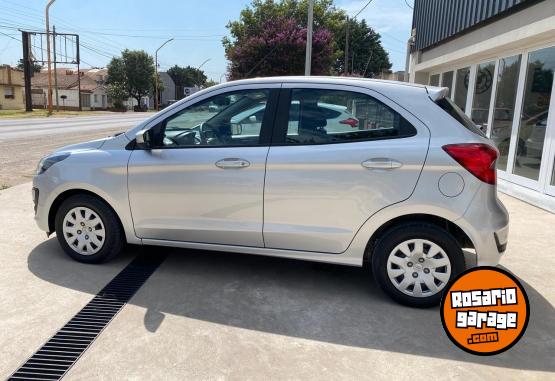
[236, 129]
[252, 119]
[143, 139]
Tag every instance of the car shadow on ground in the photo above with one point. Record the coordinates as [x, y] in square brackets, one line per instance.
[327, 303]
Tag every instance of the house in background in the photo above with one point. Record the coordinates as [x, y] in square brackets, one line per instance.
[168, 94]
[93, 89]
[498, 60]
[11, 88]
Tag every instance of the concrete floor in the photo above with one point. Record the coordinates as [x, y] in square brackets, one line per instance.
[228, 316]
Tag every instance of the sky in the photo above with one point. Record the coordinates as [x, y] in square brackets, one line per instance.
[107, 27]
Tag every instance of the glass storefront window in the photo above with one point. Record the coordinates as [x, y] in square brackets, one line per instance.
[434, 80]
[447, 81]
[482, 94]
[503, 112]
[461, 87]
[535, 109]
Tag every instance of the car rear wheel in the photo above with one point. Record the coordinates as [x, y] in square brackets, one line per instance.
[88, 229]
[413, 263]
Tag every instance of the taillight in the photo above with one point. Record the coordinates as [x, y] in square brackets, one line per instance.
[478, 159]
[350, 121]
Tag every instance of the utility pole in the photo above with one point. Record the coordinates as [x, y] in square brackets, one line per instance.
[308, 58]
[55, 71]
[50, 2]
[347, 46]
[27, 72]
[78, 73]
[156, 106]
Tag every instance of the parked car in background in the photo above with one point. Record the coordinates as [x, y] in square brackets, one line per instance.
[339, 170]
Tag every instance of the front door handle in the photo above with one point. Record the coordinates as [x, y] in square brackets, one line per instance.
[381, 163]
[232, 162]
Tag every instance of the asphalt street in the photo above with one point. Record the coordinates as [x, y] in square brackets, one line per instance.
[23, 142]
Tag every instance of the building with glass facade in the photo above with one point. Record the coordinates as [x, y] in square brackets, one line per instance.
[497, 57]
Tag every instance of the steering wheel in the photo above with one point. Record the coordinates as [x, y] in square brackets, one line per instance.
[175, 139]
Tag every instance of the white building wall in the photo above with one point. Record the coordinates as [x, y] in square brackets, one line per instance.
[72, 100]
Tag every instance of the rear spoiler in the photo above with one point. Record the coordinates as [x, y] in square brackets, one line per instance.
[437, 93]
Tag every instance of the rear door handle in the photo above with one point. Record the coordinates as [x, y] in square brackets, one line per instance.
[381, 163]
[232, 162]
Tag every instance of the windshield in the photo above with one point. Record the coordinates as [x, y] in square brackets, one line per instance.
[452, 109]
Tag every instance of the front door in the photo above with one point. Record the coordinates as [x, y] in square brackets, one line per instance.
[342, 156]
[203, 180]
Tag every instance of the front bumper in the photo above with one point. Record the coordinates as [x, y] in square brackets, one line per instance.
[39, 194]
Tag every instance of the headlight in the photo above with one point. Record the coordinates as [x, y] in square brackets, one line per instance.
[49, 161]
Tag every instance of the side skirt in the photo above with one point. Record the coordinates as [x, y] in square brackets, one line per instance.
[340, 259]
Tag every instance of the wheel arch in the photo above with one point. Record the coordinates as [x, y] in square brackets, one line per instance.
[58, 201]
[457, 232]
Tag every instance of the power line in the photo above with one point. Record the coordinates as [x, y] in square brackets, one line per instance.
[362, 9]
[408, 5]
[10, 36]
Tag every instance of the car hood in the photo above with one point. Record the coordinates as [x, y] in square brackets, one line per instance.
[90, 145]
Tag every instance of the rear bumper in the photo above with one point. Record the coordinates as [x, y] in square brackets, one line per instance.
[486, 222]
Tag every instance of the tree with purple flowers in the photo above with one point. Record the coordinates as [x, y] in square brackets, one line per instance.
[279, 49]
[270, 39]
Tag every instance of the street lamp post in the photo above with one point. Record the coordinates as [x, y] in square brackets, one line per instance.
[156, 105]
[198, 70]
[48, 55]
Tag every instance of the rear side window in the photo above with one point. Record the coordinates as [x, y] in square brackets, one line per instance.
[335, 116]
[452, 109]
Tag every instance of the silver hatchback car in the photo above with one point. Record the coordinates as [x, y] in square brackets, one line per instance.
[338, 170]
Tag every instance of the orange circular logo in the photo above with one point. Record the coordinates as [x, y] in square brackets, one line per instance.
[485, 311]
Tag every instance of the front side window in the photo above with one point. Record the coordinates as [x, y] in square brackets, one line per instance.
[333, 116]
[230, 119]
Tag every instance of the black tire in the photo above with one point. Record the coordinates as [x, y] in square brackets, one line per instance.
[114, 238]
[395, 236]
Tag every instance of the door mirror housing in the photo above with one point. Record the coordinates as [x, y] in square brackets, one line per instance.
[142, 139]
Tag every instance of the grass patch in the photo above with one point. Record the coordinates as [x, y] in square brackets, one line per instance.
[40, 113]
[4, 186]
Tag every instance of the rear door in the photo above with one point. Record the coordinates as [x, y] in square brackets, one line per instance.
[339, 154]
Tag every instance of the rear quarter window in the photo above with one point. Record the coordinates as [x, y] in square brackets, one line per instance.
[452, 109]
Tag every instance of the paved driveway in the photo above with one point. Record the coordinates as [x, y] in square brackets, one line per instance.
[209, 315]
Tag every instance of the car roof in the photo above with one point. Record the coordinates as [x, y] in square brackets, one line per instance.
[433, 92]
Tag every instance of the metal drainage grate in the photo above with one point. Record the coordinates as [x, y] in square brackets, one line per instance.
[59, 353]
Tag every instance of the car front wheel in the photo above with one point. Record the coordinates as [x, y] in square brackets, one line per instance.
[413, 263]
[88, 229]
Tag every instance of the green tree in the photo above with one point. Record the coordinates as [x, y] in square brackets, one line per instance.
[134, 72]
[118, 93]
[367, 57]
[187, 76]
[35, 67]
[326, 16]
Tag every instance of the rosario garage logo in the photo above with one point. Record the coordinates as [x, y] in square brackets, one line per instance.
[485, 311]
